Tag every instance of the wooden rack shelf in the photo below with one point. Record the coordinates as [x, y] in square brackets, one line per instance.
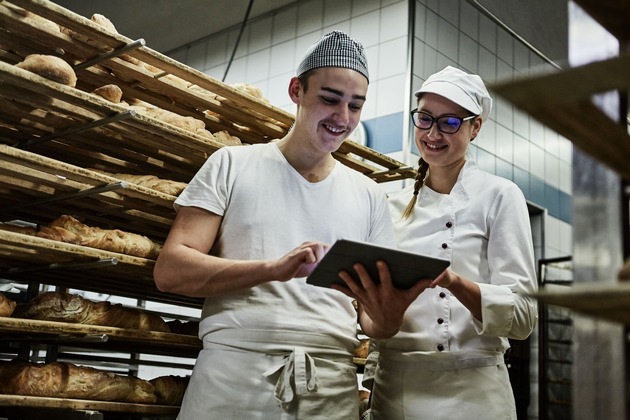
[31, 259]
[166, 86]
[105, 338]
[39, 189]
[562, 101]
[70, 404]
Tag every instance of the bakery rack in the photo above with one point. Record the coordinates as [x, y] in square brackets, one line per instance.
[251, 119]
[55, 140]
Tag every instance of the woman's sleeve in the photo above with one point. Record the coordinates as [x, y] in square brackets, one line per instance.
[507, 308]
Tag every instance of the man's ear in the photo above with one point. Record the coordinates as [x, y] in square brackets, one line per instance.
[295, 90]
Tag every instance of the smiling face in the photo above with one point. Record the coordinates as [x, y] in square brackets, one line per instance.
[330, 108]
[439, 149]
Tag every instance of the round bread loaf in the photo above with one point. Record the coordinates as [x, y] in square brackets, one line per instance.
[7, 306]
[50, 67]
[111, 92]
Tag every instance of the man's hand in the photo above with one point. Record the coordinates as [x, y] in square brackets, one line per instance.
[300, 262]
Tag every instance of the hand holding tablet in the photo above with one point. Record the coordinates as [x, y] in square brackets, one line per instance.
[405, 267]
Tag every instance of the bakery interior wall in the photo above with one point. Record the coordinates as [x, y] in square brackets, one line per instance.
[496, 39]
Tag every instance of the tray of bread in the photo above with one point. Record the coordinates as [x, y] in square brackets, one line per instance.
[71, 386]
[116, 75]
[35, 187]
[57, 317]
[58, 259]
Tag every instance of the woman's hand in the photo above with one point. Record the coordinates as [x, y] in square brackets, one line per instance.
[381, 305]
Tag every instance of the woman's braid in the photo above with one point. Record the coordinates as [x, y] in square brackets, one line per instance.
[423, 167]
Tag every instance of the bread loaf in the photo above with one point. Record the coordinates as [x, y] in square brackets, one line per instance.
[169, 390]
[111, 92]
[363, 350]
[116, 240]
[50, 67]
[250, 90]
[67, 307]
[150, 181]
[227, 139]
[186, 123]
[113, 240]
[57, 233]
[7, 306]
[66, 380]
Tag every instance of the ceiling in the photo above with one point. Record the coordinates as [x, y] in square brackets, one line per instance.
[168, 24]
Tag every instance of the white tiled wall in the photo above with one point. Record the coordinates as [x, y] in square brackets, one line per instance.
[272, 46]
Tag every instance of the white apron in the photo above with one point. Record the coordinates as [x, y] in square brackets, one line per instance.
[416, 386]
[271, 375]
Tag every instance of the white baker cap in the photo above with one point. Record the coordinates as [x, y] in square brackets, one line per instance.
[466, 90]
[335, 49]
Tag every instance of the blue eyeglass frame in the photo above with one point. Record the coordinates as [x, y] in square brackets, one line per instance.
[434, 120]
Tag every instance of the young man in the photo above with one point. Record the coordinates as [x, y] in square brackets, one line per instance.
[251, 225]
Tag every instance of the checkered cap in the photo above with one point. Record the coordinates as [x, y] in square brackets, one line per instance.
[335, 49]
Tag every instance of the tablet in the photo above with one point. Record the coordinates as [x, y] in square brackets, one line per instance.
[406, 267]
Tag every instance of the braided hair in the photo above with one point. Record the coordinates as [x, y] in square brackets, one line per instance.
[423, 168]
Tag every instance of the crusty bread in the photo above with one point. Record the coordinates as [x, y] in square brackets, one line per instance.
[66, 380]
[169, 390]
[363, 350]
[227, 139]
[113, 240]
[57, 233]
[116, 240]
[104, 22]
[111, 92]
[364, 395]
[186, 123]
[67, 307]
[50, 67]
[7, 306]
[150, 181]
[250, 90]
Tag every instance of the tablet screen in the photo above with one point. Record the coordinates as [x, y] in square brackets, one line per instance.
[406, 267]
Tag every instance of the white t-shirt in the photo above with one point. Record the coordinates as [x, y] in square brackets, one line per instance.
[268, 209]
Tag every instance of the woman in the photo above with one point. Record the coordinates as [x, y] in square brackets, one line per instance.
[446, 360]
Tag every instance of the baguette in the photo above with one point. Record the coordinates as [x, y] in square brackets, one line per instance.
[66, 307]
[66, 380]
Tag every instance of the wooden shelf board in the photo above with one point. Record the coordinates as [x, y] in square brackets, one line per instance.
[116, 338]
[606, 301]
[562, 101]
[72, 404]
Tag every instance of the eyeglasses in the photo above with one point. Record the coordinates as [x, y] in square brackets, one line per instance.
[446, 124]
